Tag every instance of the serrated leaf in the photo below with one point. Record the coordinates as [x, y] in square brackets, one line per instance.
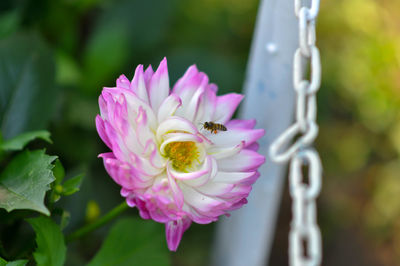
[3, 262]
[72, 185]
[133, 242]
[27, 89]
[24, 182]
[19, 142]
[51, 248]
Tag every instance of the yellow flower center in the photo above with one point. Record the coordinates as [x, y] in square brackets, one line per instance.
[182, 154]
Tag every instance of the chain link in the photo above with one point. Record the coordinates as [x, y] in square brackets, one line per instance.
[305, 237]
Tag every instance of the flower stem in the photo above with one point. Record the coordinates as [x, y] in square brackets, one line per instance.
[86, 229]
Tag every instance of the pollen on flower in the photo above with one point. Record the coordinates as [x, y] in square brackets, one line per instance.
[182, 154]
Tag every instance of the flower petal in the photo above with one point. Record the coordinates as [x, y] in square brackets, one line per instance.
[207, 105]
[156, 160]
[210, 165]
[215, 188]
[168, 107]
[143, 131]
[219, 152]
[235, 136]
[189, 80]
[102, 131]
[190, 89]
[226, 106]
[123, 82]
[176, 191]
[240, 123]
[138, 84]
[174, 231]
[159, 86]
[200, 201]
[204, 172]
[144, 165]
[122, 173]
[177, 137]
[238, 192]
[190, 108]
[119, 149]
[175, 124]
[148, 74]
[133, 104]
[233, 177]
[246, 160]
[254, 146]
[198, 217]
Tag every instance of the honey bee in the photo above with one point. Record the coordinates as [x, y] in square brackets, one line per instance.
[214, 127]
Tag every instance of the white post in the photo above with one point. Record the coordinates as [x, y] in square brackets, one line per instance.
[245, 238]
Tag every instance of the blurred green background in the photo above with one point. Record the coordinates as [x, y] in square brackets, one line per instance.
[77, 47]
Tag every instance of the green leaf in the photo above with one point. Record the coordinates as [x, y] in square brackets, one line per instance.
[17, 263]
[51, 248]
[114, 40]
[112, 44]
[3, 262]
[19, 142]
[24, 182]
[9, 22]
[72, 185]
[68, 71]
[65, 217]
[59, 172]
[27, 90]
[133, 242]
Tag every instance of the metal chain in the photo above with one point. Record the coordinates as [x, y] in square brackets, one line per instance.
[305, 237]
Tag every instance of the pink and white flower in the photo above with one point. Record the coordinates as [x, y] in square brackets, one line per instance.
[169, 167]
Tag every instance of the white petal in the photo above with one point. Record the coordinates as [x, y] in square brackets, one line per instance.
[168, 107]
[207, 105]
[232, 177]
[138, 84]
[187, 176]
[219, 152]
[215, 188]
[209, 163]
[143, 132]
[173, 124]
[199, 201]
[133, 104]
[159, 85]
[246, 160]
[144, 165]
[233, 137]
[190, 108]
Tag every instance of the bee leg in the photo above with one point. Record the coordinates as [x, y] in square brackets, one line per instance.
[215, 131]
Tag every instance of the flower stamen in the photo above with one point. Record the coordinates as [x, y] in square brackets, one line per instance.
[182, 154]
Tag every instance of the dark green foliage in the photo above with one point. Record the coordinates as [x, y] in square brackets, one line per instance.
[133, 242]
[51, 248]
[19, 142]
[27, 89]
[13, 263]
